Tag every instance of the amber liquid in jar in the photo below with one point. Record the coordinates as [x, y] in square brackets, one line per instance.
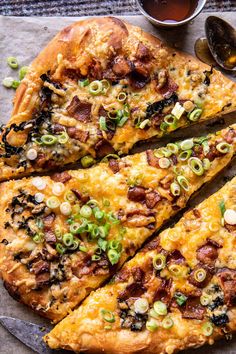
[170, 10]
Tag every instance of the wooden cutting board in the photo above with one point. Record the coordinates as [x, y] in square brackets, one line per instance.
[24, 37]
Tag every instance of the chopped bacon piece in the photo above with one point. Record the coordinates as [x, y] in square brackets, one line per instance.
[228, 280]
[163, 291]
[196, 283]
[143, 52]
[57, 128]
[229, 136]
[196, 213]
[80, 110]
[78, 134]
[193, 309]
[138, 274]
[175, 257]
[169, 87]
[140, 76]
[95, 70]
[114, 165]
[72, 74]
[40, 267]
[61, 177]
[103, 148]
[207, 254]
[42, 279]
[48, 220]
[41, 160]
[213, 153]
[152, 245]
[50, 237]
[230, 228]
[152, 159]
[135, 289]
[136, 194]
[83, 197]
[121, 66]
[152, 198]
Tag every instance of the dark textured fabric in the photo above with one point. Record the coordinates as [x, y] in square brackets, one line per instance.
[87, 7]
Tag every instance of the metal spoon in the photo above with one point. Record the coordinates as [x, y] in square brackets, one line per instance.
[221, 38]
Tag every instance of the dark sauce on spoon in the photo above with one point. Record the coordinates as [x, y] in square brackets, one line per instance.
[170, 10]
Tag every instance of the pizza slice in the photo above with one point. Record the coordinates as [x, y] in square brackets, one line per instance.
[62, 236]
[100, 86]
[178, 292]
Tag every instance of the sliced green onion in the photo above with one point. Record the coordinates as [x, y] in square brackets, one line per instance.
[180, 298]
[183, 182]
[102, 123]
[104, 230]
[164, 127]
[206, 164]
[58, 232]
[122, 97]
[170, 120]
[82, 248]
[175, 189]
[53, 202]
[7, 82]
[106, 203]
[60, 249]
[39, 223]
[15, 84]
[196, 166]
[167, 322]
[108, 316]
[84, 83]
[102, 244]
[105, 85]
[163, 151]
[95, 258]
[144, 124]
[94, 231]
[65, 208]
[38, 238]
[63, 138]
[178, 110]
[164, 162]
[173, 148]
[223, 147]
[186, 144]
[176, 270]
[107, 328]
[92, 203]
[152, 313]
[95, 87]
[222, 207]
[87, 161]
[195, 114]
[49, 139]
[200, 275]
[207, 329]
[160, 308]
[68, 239]
[70, 196]
[141, 306]
[99, 215]
[112, 218]
[86, 211]
[74, 245]
[185, 155]
[113, 256]
[112, 156]
[75, 228]
[152, 325]
[122, 121]
[115, 245]
[159, 261]
[12, 62]
[205, 300]
[23, 71]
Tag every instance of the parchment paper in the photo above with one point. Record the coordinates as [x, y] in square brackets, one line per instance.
[24, 38]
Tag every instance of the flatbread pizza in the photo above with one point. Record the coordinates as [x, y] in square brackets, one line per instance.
[62, 236]
[100, 86]
[178, 292]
